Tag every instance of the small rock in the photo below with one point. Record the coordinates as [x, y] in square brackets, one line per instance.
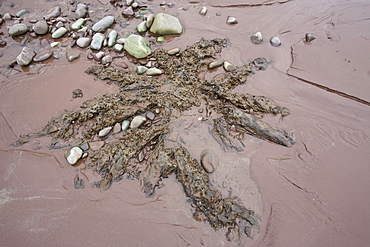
[59, 33]
[42, 56]
[257, 38]
[79, 183]
[129, 2]
[18, 29]
[75, 36]
[160, 39]
[137, 122]
[150, 115]
[149, 20]
[154, 71]
[121, 41]
[118, 48]
[99, 55]
[72, 57]
[117, 128]
[125, 125]
[21, 12]
[54, 44]
[309, 37]
[165, 24]
[61, 19]
[59, 24]
[141, 70]
[107, 59]
[104, 132]
[96, 145]
[55, 12]
[128, 12]
[41, 27]
[203, 11]
[112, 37]
[81, 12]
[135, 5]
[231, 20]
[73, 155]
[97, 41]
[7, 17]
[142, 28]
[275, 41]
[77, 93]
[215, 64]
[228, 66]
[25, 57]
[103, 24]
[84, 146]
[173, 51]
[208, 160]
[137, 46]
[77, 24]
[83, 42]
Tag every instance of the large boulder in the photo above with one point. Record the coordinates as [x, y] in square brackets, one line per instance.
[137, 46]
[165, 24]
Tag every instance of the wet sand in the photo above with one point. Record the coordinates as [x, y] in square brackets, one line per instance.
[315, 193]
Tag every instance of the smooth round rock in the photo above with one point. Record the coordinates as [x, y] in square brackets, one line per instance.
[83, 42]
[81, 12]
[55, 12]
[154, 71]
[142, 28]
[117, 128]
[73, 155]
[257, 38]
[128, 11]
[149, 20]
[18, 29]
[72, 57]
[125, 125]
[141, 69]
[41, 27]
[231, 20]
[208, 161]
[104, 132]
[7, 16]
[112, 37]
[59, 33]
[54, 44]
[99, 55]
[309, 37]
[118, 48]
[203, 11]
[103, 24]
[173, 51]
[107, 59]
[42, 56]
[165, 24]
[59, 24]
[97, 41]
[160, 39]
[150, 115]
[228, 66]
[21, 12]
[26, 56]
[137, 122]
[137, 46]
[275, 41]
[215, 64]
[77, 24]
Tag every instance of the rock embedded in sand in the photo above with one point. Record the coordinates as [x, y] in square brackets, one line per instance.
[72, 57]
[103, 24]
[275, 41]
[83, 42]
[215, 64]
[41, 27]
[59, 33]
[309, 37]
[96, 145]
[173, 51]
[26, 56]
[141, 69]
[137, 46]
[73, 155]
[231, 20]
[165, 24]
[154, 71]
[257, 38]
[97, 41]
[125, 124]
[18, 29]
[228, 66]
[77, 24]
[104, 132]
[137, 122]
[203, 11]
[55, 12]
[208, 161]
[42, 56]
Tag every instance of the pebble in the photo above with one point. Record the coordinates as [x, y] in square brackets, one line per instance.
[309, 37]
[7, 16]
[129, 2]
[41, 27]
[77, 24]
[73, 155]
[128, 11]
[21, 12]
[231, 20]
[107, 59]
[154, 71]
[18, 29]
[42, 56]
[137, 46]
[59, 24]
[141, 69]
[72, 57]
[257, 38]
[203, 11]
[26, 56]
[173, 51]
[228, 66]
[84, 146]
[275, 41]
[165, 24]
[208, 161]
[118, 48]
[137, 122]
[103, 24]
[83, 42]
[112, 37]
[99, 55]
[97, 41]
[59, 33]
[160, 39]
[149, 20]
[215, 64]
[55, 12]
[104, 132]
[117, 128]
[121, 41]
[96, 145]
[54, 44]
[81, 11]
[150, 115]
[75, 36]
[142, 27]
[125, 125]
[61, 19]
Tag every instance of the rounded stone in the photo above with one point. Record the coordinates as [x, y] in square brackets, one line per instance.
[141, 69]
[137, 122]
[55, 12]
[117, 128]
[160, 39]
[257, 38]
[73, 155]
[118, 48]
[81, 12]
[72, 57]
[107, 59]
[228, 66]
[59, 33]
[18, 29]
[309, 37]
[26, 56]
[275, 41]
[137, 46]
[41, 27]
[97, 41]
[231, 20]
[103, 24]
[125, 125]
[203, 11]
[215, 64]
[112, 37]
[42, 56]
[104, 132]
[149, 20]
[208, 160]
[154, 71]
[165, 24]
[96, 145]
[83, 42]
[142, 27]
[77, 24]
[173, 51]
[21, 12]
[150, 115]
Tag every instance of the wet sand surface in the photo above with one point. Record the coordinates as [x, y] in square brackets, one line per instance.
[315, 193]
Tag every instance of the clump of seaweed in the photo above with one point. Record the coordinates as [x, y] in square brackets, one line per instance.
[140, 152]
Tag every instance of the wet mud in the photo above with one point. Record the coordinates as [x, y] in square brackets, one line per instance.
[311, 97]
